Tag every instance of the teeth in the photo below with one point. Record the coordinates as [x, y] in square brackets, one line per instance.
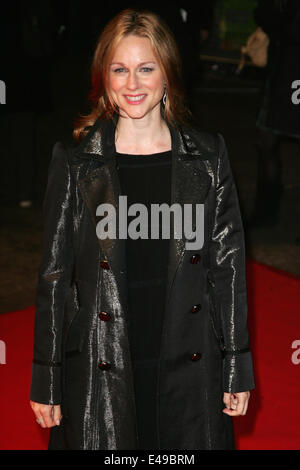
[135, 98]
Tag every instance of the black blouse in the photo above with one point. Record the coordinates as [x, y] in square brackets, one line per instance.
[146, 179]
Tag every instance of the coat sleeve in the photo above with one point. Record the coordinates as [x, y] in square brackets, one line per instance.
[53, 281]
[227, 261]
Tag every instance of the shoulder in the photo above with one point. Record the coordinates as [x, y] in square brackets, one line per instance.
[210, 144]
[61, 158]
[63, 149]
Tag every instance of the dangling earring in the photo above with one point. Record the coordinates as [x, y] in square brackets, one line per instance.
[164, 98]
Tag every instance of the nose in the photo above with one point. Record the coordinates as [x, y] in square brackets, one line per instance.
[132, 82]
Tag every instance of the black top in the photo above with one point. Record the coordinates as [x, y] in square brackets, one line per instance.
[146, 179]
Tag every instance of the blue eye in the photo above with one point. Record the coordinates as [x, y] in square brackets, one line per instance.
[143, 69]
[147, 69]
[119, 70]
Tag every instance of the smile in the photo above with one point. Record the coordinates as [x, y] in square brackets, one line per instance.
[135, 99]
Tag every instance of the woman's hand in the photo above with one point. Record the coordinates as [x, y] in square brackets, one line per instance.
[48, 415]
[236, 403]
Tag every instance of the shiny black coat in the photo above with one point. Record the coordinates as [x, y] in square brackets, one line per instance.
[81, 351]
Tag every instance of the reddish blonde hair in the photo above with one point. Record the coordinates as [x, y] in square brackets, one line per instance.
[140, 23]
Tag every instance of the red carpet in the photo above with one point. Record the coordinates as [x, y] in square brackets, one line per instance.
[19, 429]
[273, 417]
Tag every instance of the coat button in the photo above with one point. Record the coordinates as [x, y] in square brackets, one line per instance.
[117, 167]
[104, 365]
[195, 258]
[196, 356]
[104, 264]
[196, 308]
[104, 316]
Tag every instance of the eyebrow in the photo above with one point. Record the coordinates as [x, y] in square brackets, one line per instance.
[139, 65]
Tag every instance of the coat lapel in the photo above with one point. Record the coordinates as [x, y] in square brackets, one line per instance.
[99, 183]
[190, 185]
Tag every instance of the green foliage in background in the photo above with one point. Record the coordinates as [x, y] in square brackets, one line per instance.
[236, 22]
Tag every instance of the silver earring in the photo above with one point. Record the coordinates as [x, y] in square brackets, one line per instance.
[164, 98]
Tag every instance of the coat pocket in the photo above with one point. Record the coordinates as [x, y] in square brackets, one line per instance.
[74, 333]
[74, 341]
[215, 317]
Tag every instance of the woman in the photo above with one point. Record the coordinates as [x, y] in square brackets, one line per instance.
[279, 114]
[140, 343]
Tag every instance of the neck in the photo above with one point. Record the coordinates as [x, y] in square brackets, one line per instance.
[142, 136]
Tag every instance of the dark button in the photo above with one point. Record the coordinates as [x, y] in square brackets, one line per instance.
[104, 316]
[104, 365]
[196, 308]
[196, 356]
[117, 167]
[195, 258]
[104, 264]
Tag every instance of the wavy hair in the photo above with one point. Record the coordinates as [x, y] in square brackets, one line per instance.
[140, 23]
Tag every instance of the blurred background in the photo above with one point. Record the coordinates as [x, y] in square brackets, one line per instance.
[46, 49]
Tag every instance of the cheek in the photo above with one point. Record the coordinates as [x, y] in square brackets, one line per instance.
[155, 84]
[115, 84]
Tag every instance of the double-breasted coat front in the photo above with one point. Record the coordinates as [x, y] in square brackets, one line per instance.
[81, 356]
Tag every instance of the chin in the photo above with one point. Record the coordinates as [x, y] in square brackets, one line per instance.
[135, 113]
[138, 112]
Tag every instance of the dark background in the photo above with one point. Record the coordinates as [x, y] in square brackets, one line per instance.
[45, 54]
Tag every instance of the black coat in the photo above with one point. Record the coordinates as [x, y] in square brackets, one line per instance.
[82, 360]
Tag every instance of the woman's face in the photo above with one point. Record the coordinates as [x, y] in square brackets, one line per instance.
[136, 81]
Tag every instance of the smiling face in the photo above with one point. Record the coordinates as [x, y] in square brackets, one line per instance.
[136, 81]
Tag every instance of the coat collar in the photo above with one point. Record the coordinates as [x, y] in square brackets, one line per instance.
[99, 142]
[99, 183]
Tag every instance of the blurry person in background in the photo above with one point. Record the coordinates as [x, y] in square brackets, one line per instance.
[202, 19]
[279, 115]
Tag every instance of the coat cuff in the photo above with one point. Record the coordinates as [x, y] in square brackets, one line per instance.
[46, 383]
[238, 375]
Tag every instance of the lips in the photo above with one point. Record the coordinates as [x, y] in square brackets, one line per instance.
[135, 99]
